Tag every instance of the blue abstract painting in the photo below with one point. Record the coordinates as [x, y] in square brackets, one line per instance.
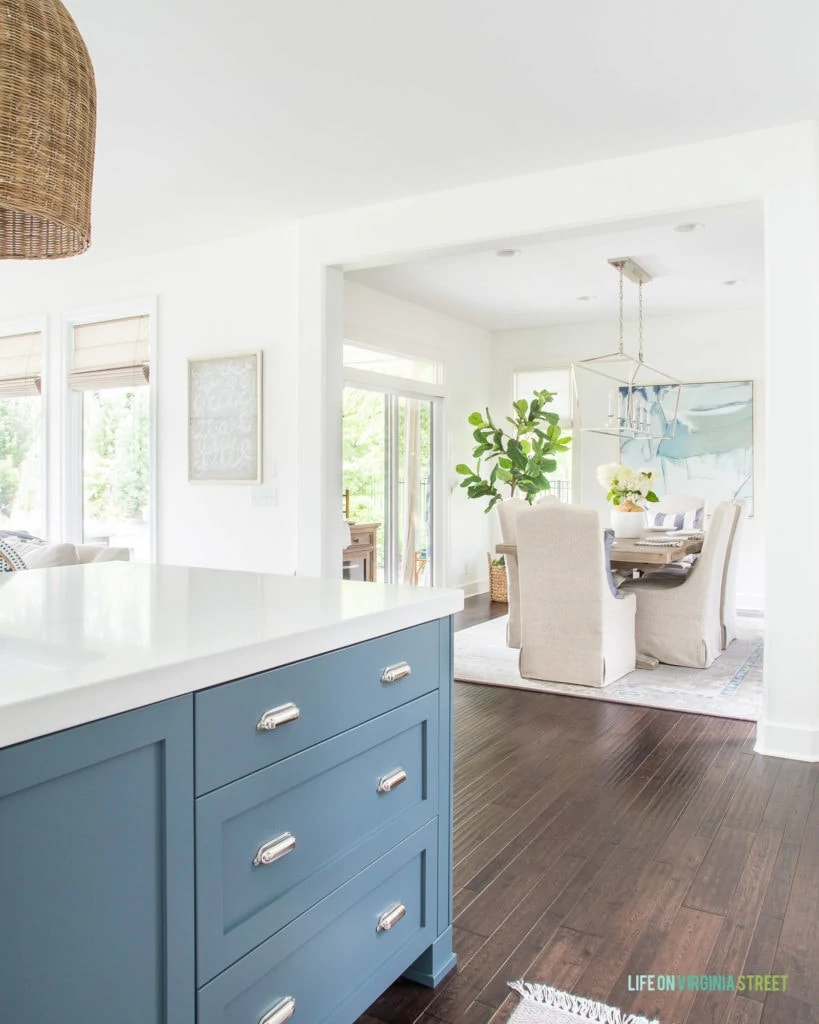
[711, 454]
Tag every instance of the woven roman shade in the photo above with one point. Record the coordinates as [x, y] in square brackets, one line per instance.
[48, 107]
[111, 354]
[21, 361]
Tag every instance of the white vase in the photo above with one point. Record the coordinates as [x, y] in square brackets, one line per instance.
[628, 524]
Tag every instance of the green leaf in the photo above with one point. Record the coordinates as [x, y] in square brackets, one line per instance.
[475, 419]
[651, 496]
[521, 406]
[551, 417]
[549, 465]
[505, 463]
[463, 470]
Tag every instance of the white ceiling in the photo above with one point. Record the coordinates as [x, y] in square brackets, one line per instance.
[215, 118]
[541, 285]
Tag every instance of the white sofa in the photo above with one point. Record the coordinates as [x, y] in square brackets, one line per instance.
[45, 554]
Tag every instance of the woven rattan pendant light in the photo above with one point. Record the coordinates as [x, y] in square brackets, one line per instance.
[48, 115]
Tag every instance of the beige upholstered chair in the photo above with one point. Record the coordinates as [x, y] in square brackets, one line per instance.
[678, 620]
[728, 603]
[507, 517]
[575, 625]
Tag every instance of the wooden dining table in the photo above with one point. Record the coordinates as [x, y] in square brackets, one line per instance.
[652, 550]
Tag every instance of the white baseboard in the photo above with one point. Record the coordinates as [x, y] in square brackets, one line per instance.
[474, 588]
[753, 604]
[794, 742]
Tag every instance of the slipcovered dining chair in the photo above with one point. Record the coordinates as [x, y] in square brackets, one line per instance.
[679, 620]
[507, 517]
[728, 602]
[576, 627]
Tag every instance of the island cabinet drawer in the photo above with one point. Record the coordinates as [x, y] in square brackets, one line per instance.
[329, 965]
[250, 723]
[271, 845]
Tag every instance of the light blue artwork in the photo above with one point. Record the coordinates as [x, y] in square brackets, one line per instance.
[711, 454]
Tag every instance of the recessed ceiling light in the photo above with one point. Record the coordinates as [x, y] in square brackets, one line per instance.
[731, 283]
[507, 253]
[586, 298]
[685, 229]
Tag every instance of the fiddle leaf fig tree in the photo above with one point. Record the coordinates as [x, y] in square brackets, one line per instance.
[521, 458]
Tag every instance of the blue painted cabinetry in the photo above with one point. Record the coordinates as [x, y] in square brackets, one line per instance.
[305, 812]
[96, 886]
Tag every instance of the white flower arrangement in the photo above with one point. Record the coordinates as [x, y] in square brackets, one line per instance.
[625, 486]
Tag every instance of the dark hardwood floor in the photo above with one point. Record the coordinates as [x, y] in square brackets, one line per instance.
[595, 841]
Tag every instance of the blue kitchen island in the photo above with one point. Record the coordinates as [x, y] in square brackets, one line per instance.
[225, 797]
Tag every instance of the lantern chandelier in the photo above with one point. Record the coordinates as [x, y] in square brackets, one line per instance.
[48, 106]
[640, 401]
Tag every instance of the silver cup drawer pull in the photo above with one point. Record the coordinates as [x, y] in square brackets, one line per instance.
[388, 782]
[390, 918]
[281, 1012]
[273, 851]
[393, 673]
[275, 717]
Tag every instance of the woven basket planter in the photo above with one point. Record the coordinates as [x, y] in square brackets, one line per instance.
[498, 583]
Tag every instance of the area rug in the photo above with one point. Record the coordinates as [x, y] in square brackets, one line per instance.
[541, 1004]
[730, 688]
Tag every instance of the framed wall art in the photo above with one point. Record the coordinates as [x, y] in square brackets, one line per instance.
[225, 418]
[712, 451]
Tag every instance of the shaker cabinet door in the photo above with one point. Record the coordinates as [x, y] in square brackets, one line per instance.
[96, 872]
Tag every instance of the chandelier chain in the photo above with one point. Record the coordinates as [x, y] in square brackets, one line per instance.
[620, 348]
[640, 320]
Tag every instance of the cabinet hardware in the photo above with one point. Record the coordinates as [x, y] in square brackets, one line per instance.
[392, 779]
[277, 716]
[273, 851]
[395, 672]
[391, 917]
[280, 1013]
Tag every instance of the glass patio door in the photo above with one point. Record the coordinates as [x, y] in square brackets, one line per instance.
[388, 471]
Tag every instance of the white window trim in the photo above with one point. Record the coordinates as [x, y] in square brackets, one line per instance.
[31, 325]
[71, 464]
[388, 343]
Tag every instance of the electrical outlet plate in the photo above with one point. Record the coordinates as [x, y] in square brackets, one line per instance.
[264, 497]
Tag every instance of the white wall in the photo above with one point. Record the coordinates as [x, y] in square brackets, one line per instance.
[217, 298]
[374, 318]
[701, 347]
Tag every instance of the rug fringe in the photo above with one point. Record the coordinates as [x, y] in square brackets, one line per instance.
[585, 1009]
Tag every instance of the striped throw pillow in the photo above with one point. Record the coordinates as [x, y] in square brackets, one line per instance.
[10, 561]
[690, 520]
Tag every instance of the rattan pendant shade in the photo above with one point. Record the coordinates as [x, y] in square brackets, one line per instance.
[48, 115]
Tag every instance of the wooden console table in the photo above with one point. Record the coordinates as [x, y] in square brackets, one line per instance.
[363, 546]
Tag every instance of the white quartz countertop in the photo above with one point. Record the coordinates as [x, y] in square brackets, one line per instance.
[78, 643]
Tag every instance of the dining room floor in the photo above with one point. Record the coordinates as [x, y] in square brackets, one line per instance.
[594, 841]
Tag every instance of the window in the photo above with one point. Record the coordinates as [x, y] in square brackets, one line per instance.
[356, 357]
[559, 382]
[111, 372]
[21, 437]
